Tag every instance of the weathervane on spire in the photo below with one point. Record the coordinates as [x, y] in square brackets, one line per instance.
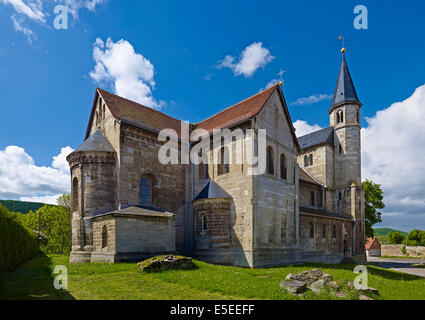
[342, 38]
[280, 75]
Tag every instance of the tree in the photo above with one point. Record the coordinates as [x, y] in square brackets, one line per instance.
[55, 224]
[415, 238]
[65, 201]
[396, 237]
[374, 197]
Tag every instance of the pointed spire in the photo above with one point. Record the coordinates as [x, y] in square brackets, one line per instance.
[344, 90]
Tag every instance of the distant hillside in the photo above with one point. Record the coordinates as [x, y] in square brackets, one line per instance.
[21, 206]
[385, 231]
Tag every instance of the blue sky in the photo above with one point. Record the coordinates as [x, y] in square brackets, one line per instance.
[47, 90]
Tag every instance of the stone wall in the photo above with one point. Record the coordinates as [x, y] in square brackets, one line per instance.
[397, 251]
[139, 158]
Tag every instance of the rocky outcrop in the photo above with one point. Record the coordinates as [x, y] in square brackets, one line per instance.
[316, 281]
[164, 263]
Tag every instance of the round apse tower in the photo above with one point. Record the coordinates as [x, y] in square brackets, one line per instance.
[93, 190]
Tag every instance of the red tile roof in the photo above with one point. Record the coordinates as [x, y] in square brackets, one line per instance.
[243, 110]
[371, 241]
[124, 109]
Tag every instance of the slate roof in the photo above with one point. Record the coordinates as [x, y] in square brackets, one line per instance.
[212, 191]
[324, 213]
[344, 89]
[96, 142]
[305, 176]
[319, 137]
[139, 210]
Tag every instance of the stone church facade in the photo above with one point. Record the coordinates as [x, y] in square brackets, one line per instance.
[307, 205]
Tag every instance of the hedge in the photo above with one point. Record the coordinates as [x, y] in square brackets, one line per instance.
[17, 243]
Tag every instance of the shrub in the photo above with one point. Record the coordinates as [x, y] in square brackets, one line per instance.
[396, 237]
[17, 243]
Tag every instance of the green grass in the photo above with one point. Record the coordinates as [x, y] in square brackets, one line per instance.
[34, 280]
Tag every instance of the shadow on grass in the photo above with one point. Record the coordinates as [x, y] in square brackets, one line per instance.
[372, 269]
[32, 281]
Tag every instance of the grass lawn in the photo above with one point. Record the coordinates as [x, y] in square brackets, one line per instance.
[34, 280]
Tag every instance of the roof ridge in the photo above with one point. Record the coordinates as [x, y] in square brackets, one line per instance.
[139, 104]
[306, 172]
[314, 132]
[240, 102]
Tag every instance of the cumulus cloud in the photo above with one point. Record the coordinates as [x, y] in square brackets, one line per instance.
[39, 10]
[21, 178]
[131, 74]
[311, 100]
[253, 57]
[393, 150]
[302, 128]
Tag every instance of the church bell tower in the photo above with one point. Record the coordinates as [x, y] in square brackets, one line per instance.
[345, 118]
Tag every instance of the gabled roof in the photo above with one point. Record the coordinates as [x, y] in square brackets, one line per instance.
[138, 211]
[96, 142]
[344, 90]
[371, 241]
[316, 138]
[134, 113]
[127, 110]
[244, 111]
[306, 177]
[212, 191]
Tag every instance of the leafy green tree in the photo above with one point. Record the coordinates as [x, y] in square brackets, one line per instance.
[374, 197]
[55, 225]
[415, 238]
[65, 201]
[396, 237]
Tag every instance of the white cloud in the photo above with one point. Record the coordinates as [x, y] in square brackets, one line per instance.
[302, 128]
[131, 73]
[31, 9]
[311, 99]
[21, 178]
[39, 10]
[18, 24]
[43, 199]
[253, 57]
[393, 153]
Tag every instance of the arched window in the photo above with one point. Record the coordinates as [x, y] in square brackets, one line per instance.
[312, 199]
[104, 236]
[340, 195]
[340, 148]
[203, 223]
[358, 116]
[334, 231]
[75, 195]
[270, 161]
[324, 231]
[340, 116]
[223, 163]
[283, 167]
[145, 190]
[305, 161]
[310, 158]
[311, 231]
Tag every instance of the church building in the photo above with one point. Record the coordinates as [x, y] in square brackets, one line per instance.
[307, 205]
